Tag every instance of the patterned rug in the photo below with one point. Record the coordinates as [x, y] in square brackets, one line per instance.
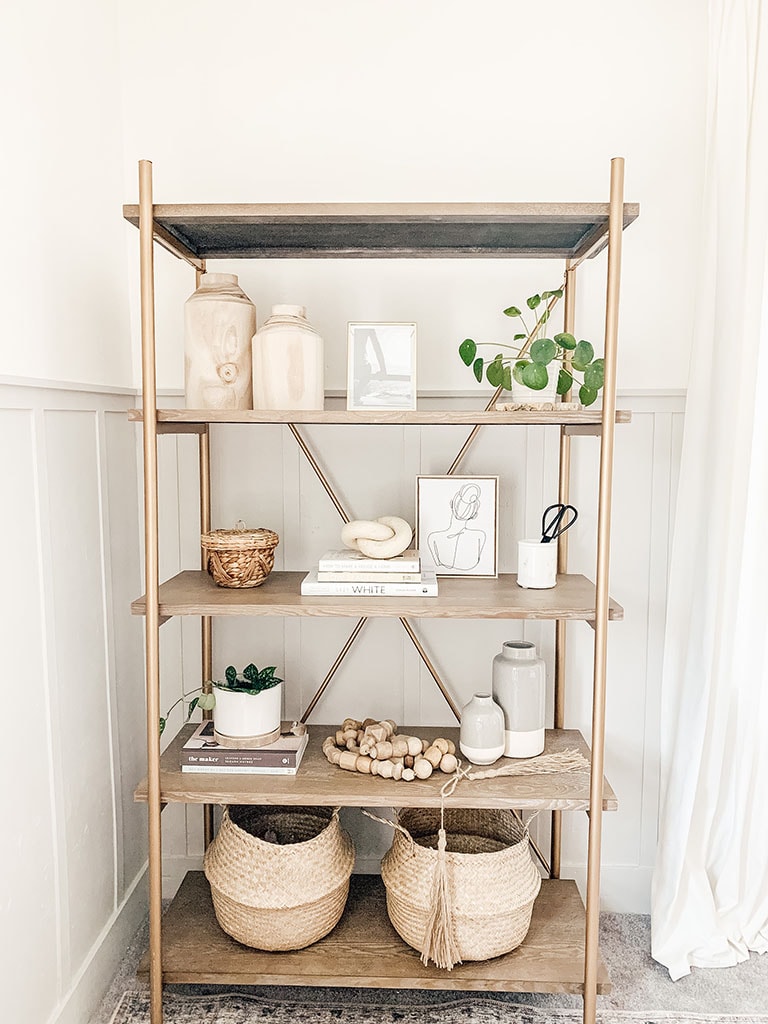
[237, 1008]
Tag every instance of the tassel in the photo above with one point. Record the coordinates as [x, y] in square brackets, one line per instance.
[440, 943]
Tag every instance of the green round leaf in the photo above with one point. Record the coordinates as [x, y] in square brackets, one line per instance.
[477, 369]
[517, 370]
[543, 351]
[495, 372]
[535, 376]
[586, 395]
[512, 311]
[519, 337]
[583, 355]
[467, 350]
[544, 317]
[230, 674]
[162, 725]
[533, 301]
[594, 375]
[565, 340]
[507, 379]
[564, 382]
[207, 701]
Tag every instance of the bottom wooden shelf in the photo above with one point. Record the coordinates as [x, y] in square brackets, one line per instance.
[364, 951]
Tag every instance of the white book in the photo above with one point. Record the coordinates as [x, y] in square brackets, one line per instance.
[312, 587]
[349, 560]
[236, 769]
[369, 577]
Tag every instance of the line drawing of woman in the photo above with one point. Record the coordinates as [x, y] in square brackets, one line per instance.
[458, 547]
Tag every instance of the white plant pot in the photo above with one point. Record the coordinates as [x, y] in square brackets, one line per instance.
[522, 395]
[247, 719]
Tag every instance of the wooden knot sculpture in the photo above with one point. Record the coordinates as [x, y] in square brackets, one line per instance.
[376, 748]
[386, 537]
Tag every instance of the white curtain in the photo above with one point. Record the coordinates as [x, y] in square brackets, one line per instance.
[710, 889]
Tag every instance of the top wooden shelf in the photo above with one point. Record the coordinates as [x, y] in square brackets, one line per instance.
[386, 230]
[575, 421]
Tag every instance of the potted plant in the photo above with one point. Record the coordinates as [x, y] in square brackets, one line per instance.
[540, 367]
[247, 707]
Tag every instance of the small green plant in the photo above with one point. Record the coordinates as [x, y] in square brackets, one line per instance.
[250, 680]
[537, 357]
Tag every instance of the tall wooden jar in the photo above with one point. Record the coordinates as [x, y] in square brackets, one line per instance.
[219, 322]
[288, 362]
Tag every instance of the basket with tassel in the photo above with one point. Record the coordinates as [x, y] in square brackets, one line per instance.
[461, 883]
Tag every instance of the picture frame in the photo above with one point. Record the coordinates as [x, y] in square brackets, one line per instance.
[381, 365]
[457, 525]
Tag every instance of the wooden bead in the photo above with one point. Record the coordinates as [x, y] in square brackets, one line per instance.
[399, 746]
[433, 755]
[414, 745]
[408, 761]
[348, 761]
[352, 744]
[451, 746]
[448, 763]
[441, 744]
[397, 772]
[335, 755]
[363, 765]
[377, 733]
[340, 741]
[350, 723]
[408, 775]
[383, 750]
[374, 766]
[360, 736]
[368, 721]
[422, 768]
[424, 746]
[391, 724]
[386, 769]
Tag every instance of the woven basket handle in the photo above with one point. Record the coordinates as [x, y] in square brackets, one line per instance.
[392, 824]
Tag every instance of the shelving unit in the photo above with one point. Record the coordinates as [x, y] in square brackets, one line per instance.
[560, 952]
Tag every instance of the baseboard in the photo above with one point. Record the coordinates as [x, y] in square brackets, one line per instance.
[95, 975]
[624, 888]
[174, 870]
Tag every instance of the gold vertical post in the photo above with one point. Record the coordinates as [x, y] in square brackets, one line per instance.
[151, 584]
[563, 495]
[206, 637]
[615, 225]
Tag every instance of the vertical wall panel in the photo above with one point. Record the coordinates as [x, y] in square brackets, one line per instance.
[80, 705]
[28, 853]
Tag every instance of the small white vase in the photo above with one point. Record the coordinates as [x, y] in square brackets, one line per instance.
[243, 719]
[219, 321]
[481, 736]
[288, 362]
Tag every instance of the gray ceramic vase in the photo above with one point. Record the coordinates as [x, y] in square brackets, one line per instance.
[481, 737]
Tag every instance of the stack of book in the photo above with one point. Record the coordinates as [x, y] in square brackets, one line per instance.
[201, 753]
[349, 573]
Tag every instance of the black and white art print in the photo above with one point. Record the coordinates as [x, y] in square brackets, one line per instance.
[381, 366]
[456, 524]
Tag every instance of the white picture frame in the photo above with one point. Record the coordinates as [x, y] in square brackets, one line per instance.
[457, 525]
[381, 366]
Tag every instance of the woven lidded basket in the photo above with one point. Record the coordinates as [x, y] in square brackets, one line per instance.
[284, 891]
[240, 557]
[488, 887]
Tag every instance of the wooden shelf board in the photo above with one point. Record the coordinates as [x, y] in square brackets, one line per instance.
[180, 420]
[384, 230]
[364, 951]
[193, 592]
[319, 783]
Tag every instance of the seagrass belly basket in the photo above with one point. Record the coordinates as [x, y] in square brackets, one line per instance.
[279, 876]
[462, 892]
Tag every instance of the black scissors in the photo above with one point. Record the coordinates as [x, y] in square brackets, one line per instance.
[558, 522]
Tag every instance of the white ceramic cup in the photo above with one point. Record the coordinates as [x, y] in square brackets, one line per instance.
[536, 564]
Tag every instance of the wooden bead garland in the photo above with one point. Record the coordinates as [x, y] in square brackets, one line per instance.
[376, 748]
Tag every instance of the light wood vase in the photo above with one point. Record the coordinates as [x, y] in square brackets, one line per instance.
[288, 362]
[219, 322]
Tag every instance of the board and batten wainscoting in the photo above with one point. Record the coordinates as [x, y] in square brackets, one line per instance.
[73, 556]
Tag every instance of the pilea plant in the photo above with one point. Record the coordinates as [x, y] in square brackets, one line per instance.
[250, 680]
[532, 362]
